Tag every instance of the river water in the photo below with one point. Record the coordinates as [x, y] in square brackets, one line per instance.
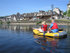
[20, 39]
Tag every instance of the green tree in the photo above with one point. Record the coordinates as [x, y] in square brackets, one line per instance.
[65, 13]
[68, 14]
[1, 22]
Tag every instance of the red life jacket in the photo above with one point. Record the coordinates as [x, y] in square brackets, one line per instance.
[44, 27]
[55, 26]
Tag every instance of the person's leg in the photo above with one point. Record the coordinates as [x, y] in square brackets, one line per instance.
[44, 33]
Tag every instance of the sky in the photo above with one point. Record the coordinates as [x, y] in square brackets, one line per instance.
[9, 7]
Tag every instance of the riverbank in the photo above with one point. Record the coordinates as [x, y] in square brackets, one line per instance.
[35, 23]
[59, 22]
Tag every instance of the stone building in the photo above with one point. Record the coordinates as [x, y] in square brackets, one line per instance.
[15, 17]
[68, 6]
[11, 18]
[58, 13]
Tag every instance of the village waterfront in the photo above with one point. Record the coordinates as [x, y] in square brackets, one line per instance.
[20, 39]
[17, 37]
[19, 19]
[21, 16]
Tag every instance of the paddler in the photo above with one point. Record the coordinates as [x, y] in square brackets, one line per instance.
[53, 27]
[44, 27]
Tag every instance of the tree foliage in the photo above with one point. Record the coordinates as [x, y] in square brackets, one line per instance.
[68, 13]
[65, 13]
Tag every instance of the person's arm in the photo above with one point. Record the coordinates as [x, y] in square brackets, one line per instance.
[50, 27]
[42, 27]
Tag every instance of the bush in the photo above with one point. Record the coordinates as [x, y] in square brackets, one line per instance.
[1, 22]
[65, 13]
[38, 22]
[8, 22]
[68, 13]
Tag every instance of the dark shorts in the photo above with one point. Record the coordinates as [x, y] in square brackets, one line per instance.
[51, 31]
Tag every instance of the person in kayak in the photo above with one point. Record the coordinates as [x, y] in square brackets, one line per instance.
[44, 27]
[53, 27]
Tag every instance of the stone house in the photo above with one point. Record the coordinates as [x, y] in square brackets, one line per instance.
[59, 13]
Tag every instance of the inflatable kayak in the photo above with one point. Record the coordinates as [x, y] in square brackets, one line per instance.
[60, 34]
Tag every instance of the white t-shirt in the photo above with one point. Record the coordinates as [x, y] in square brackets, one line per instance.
[40, 30]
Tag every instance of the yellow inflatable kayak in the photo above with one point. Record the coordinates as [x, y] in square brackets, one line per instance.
[59, 34]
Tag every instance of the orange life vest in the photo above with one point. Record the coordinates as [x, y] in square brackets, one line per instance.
[44, 27]
[55, 26]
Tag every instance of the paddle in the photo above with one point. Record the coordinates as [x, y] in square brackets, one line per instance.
[60, 29]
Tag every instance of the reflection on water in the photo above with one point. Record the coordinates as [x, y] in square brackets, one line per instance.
[20, 39]
[47, 44]
[52, 45]
[27, 28]
[17, 28]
